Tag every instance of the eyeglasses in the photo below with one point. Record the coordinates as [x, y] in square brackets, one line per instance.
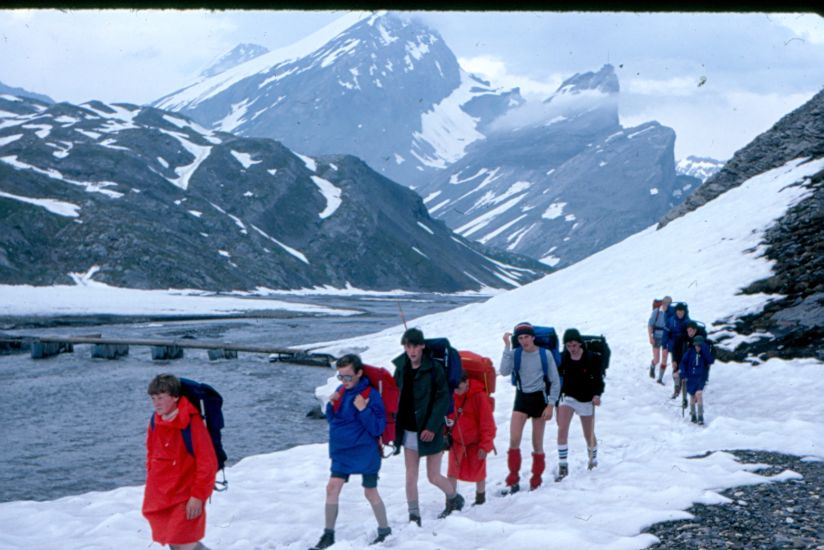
[346, 377]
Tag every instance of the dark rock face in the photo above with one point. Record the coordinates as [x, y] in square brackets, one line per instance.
[796, 321]
[385, 89]
[565, 187]
[795, 243]
[155, 201]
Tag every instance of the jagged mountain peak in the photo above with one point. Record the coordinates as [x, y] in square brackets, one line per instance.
[237, 55]
[604, 81]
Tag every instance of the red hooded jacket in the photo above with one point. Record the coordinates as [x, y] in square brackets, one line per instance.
[174, 475]
[474, 429]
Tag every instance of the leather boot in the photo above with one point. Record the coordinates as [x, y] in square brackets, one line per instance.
[538, 466]
[513, 461]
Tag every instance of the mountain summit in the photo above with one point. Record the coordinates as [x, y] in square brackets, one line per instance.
[379, 86]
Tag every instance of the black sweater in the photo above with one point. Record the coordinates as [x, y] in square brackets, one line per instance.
[582, 378]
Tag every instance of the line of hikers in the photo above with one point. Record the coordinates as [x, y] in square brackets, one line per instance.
[430, 404]
[671, 332]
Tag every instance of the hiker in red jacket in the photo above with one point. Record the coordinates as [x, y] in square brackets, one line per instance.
[177, 483]
[473, 436]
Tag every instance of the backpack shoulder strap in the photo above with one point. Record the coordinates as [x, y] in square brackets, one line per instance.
[187, 439]
[544, 362]
[516, 367]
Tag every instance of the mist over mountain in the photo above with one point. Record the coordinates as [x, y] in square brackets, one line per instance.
[562, 179]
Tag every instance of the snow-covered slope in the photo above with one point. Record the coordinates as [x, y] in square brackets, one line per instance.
[645, 475]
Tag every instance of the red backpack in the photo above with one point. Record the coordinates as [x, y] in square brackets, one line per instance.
[383, 381]
[478, 367]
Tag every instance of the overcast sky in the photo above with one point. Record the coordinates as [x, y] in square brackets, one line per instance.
[754, 67]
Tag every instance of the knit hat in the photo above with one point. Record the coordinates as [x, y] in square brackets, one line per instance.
[572, 334]
[681, 306]
[692, 324]
[524, 328]
[698, 340]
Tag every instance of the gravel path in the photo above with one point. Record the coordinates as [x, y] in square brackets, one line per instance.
[788, 514]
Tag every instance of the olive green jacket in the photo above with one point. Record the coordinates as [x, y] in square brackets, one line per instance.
[431, 398]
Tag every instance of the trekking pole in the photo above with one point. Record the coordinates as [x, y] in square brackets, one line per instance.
[400, 310]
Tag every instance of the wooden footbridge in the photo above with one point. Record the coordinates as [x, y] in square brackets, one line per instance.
[111, 348]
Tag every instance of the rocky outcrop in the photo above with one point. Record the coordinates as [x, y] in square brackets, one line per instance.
[792, 325]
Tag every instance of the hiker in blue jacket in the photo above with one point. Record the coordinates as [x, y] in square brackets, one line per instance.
[677, 327]
[695, 366]
[531, 401]
[356, 419]
[657, 331]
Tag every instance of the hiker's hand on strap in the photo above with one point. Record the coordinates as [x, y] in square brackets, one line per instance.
[194, 507]
[360, 402]
[427, 435]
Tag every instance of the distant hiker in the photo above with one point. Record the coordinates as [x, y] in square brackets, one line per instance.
[473, 436]
[355, 426]
[675, 343]
[682, 345]
[535, 398]
[421, 421]
[694, 369]
[658, 336]
[178, 482]
[581, 392]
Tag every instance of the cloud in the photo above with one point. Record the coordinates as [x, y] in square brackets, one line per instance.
[807, 26]
[714, 124]
[676, 86]
[494, 69]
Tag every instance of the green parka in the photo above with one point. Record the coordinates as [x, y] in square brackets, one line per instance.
[431, 398]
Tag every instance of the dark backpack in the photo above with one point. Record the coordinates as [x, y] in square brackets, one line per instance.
[447, 357]
[383, 381]
[546, 339]
[599, 346]
[209, 402]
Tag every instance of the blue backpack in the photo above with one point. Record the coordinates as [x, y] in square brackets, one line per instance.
[209, 402]
[546, 339]
[447, 357]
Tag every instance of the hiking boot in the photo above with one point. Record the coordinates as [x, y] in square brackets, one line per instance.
[415, 518]
[652, 370]
[693, 418]
[563, 471]
[383, 532]
[700, 420]
[674, 394]
[452, 505]
[326, 540]
[480, 498]
[511, 489]
[593, 463]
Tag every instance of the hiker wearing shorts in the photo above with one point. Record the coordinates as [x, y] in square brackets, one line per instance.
[581, 392]
[658, 336]
[355, 426]
[695, 367]
[531, 401]
[424, 401]
[178, 483]
[473, 436]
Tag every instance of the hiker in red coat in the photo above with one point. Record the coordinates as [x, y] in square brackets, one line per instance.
[473, 435]
[178, 483]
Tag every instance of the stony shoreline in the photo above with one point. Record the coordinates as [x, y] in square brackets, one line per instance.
[781, 514]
